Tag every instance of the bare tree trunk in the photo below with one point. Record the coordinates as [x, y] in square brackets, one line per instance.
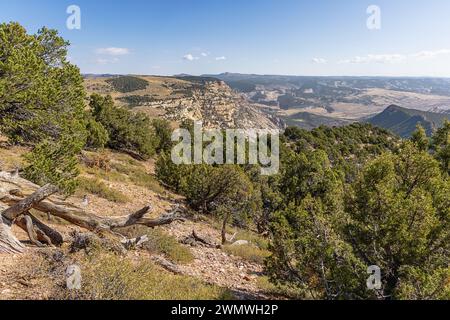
[92, 222]
[27, 203]
[8, 242]
[224, 227]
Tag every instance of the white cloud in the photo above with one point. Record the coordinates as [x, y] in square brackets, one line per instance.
[376, 58]
[113, 51]
[204, 54]
[190, 57]
[396, 58]
[221, 58]
[430, 54]
[104, 61]
[319, 60]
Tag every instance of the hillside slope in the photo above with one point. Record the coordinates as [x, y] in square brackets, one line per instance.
[121, 184]
[403, 121]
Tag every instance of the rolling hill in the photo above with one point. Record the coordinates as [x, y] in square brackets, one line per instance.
[403, 121]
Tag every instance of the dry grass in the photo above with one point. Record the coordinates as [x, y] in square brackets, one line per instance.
[113, 278]
[248, 252]
[99, 188]
[161, 243]
[107, 276]
[138, 176]
[11, 158]
[120, 168]
[278, 290]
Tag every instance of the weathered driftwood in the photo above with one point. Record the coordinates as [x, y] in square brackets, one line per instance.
[167, 265]
[25, 204]
[12, 190]
[39, 233]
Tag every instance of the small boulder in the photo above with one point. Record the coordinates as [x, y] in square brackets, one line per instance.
[240, 243]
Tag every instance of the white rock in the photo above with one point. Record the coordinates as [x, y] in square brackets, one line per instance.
[240, 243]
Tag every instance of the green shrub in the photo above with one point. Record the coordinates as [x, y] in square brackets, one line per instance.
[163, 131]
[97, 135]
[42, 103]
[55, 163]
[135, 101]
[170, 173]
[128, 132]
[390, 217]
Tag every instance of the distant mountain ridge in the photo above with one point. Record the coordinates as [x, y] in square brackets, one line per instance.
[403, 122]
[438, 86]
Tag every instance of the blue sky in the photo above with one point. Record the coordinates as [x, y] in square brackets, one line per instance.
[320, 37]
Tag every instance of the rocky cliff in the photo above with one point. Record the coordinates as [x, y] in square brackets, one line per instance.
[176, 99]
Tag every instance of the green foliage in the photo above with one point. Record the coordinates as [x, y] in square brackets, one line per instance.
[54, 162]
[97, 136]
[41, 93]
[394, 215]
[41, 102]
[401, 215]
[163, 132]
[420, 139]
[348, 147]
[306, 173]
[420, 285]
[128, 132]
[135, 101]
[224, 190]
[170, 173]
[125, 84]
[441, 146]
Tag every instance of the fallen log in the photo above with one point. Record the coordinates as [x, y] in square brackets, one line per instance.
[26, 204]
[194, 239]
[12, 190]
[167, 265]
[91, 221]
